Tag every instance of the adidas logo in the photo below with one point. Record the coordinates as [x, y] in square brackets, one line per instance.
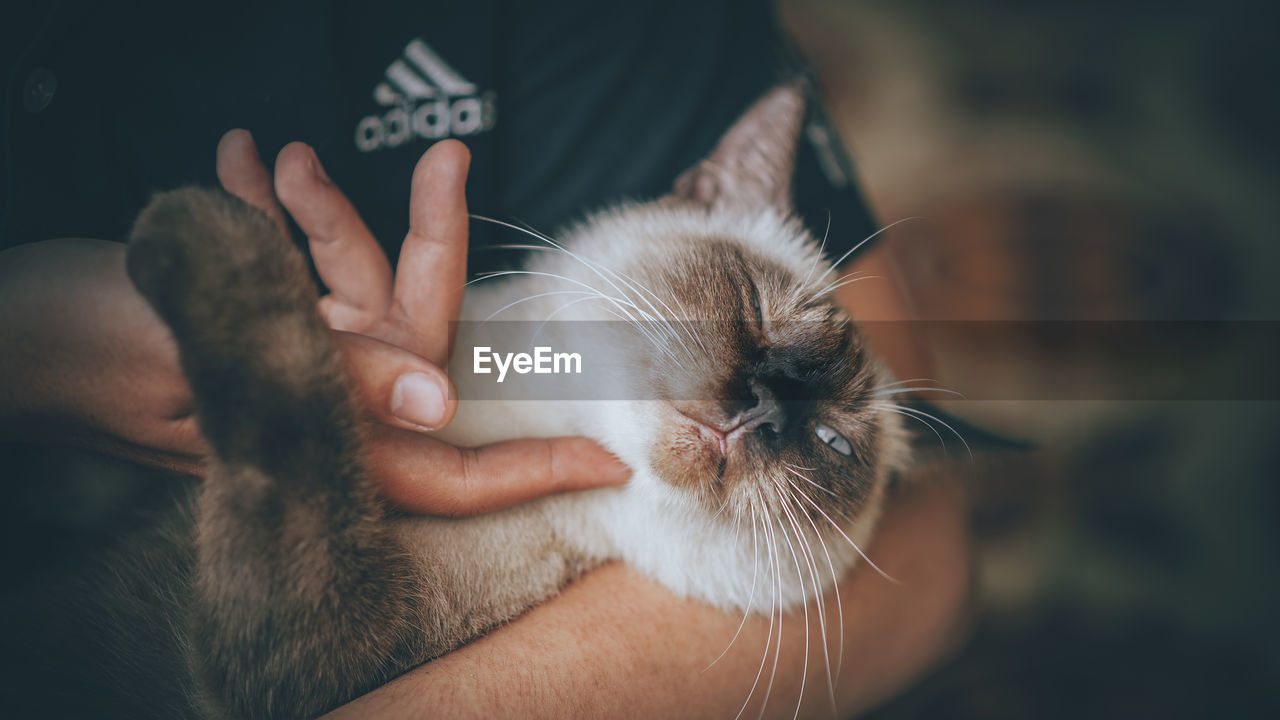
[428, 100]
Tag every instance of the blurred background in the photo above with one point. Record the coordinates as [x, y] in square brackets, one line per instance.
[1097, 259]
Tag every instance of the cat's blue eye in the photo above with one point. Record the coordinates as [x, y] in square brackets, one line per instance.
[833, 439]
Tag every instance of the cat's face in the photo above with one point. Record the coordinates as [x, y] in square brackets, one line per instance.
[761, 385]
[756, 385]
[775, 389]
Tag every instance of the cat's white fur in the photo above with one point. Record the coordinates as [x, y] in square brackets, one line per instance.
[649, 524]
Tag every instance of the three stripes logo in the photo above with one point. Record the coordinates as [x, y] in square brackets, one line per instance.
[428, 100]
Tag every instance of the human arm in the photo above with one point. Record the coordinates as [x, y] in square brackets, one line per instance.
[616, 644]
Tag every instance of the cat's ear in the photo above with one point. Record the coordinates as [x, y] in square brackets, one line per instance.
[753, 163]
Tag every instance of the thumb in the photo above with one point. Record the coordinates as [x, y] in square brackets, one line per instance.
[395, 386]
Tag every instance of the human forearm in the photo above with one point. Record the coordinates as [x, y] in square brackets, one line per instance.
[84, 360]
[617, 645]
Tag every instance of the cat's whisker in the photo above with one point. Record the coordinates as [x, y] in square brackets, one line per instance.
[593, 267]
[557, 246]
[656, 317]
[804, 596]
[681, 328]
[514, 246]
[769, 556]
[781, 606]
[755, 573]
[841, 283]
[835, 580]
[806, 479]
[817, 259]
[551, 316]
[619, 303]
[822, 600]
[599, 269]
[768, 638]
[917, 419]
[846, 276]
[806, 546]
[533, 230]
[811, 565]
[517, 228]
[864, 241]
[921, 416]
[903, 391]
[905, 386]
[895, 383]
[645, 328]
[652, 340]
[723, 506]
[684, 313]
[512, 304]
[639, 286]
[848, 539]
[638, 326]
[776, 604]
[792, 507]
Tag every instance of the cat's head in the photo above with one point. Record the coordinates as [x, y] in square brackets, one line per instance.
[762, 386]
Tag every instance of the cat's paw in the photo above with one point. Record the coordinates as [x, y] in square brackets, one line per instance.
[201, 256]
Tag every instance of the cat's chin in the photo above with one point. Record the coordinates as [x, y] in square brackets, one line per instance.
[700, 461]
[688, 455]
[734, 561]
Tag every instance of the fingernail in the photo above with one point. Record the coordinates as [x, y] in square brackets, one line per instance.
[418, 399]
[313, 164]
[614, 472]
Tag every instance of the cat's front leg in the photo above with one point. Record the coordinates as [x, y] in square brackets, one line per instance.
[304, 596]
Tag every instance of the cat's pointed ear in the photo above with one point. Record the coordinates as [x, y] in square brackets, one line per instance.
[753, 163]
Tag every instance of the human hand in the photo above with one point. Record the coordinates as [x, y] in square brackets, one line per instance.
[393, 331]
[85, 360]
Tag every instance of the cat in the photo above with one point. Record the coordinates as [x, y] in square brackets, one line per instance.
[742, 396]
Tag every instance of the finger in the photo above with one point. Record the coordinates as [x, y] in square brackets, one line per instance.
[433, 261]
[241, 172]
[395, 386]
[184, 463]
[428, 476]
[347, 257]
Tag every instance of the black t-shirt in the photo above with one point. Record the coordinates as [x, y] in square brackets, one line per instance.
[566, 106]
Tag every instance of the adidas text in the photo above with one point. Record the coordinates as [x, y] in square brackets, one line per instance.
[433, 120]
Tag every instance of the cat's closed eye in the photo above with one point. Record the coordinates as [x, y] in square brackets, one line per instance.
[833, 439]
[757, 309]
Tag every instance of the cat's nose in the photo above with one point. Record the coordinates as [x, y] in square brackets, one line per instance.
[765, 414]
